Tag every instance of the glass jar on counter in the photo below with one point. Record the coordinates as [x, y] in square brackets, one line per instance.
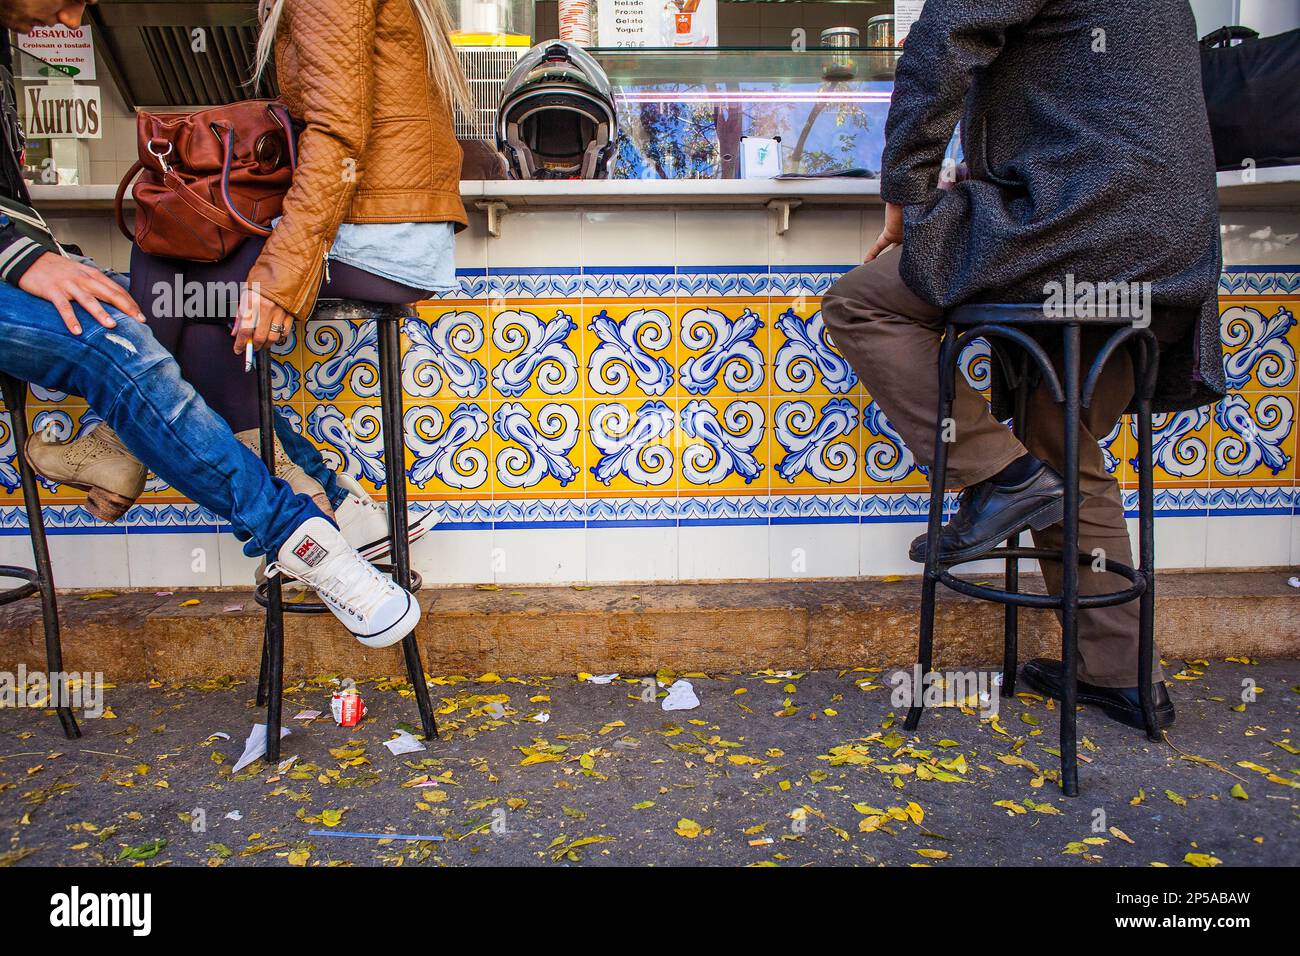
[492, 22]
[839, 68]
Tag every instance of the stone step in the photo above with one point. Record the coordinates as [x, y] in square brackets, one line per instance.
[135, 635]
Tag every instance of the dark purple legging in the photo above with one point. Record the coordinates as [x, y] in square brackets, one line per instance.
[202, 344]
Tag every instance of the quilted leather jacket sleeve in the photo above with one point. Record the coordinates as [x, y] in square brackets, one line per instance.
[330, 44]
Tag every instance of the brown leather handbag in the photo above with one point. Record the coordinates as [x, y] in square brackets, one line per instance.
[210, 179]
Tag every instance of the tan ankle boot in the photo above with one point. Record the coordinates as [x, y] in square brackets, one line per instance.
[299, 481]
[97, 463]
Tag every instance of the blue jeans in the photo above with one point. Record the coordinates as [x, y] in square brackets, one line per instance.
[134, 384]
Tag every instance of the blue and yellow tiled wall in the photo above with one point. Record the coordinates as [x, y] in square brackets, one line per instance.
[689, 421]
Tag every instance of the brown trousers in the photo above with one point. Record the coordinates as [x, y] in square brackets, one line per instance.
[891, 337]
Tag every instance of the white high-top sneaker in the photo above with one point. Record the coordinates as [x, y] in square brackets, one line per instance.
[364, 522]
[370, 605]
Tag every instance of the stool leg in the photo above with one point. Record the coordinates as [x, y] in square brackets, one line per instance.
[16, 392]
[1147, 549]
[938, 480]
[393, 411]
[270, 684]
[1070, 566]
[261, 671]
[1011, 622]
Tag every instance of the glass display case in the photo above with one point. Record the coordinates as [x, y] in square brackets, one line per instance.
[683, 113]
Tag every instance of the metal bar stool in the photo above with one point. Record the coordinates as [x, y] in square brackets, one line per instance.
[1004, 325]
[388, 320]
[41, 578]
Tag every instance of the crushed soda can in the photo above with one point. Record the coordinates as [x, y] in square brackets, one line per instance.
[347, 708]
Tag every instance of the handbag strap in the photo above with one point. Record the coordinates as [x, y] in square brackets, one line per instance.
[120, 218]
[281, 116]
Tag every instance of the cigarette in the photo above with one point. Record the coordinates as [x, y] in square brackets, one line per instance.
[248, 357]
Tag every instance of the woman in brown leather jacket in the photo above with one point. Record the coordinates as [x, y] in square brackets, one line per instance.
[370, 215]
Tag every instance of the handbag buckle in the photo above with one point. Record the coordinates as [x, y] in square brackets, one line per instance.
[161, 156]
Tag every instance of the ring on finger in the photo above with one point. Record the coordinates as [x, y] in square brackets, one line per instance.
[277, 329]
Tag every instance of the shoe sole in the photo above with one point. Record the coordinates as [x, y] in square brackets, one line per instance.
[105, 505]
[1128, 716]
[378, 550]
[398, 630]
[1050, 514]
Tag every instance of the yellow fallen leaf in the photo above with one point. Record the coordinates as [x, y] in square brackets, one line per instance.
[1201, 859]
[1119, 834]
[688, 828]
[190, 603]
[932, 854]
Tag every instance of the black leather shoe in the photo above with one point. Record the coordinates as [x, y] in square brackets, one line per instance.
[1117, 703]
[989, 514]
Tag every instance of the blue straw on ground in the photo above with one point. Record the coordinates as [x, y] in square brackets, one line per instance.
[374, 836]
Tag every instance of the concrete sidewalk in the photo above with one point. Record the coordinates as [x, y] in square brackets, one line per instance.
[770, 769]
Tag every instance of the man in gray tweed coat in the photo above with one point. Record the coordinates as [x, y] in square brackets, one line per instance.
[1087, 158]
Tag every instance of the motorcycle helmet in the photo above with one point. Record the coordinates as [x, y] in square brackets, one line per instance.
[557, 117]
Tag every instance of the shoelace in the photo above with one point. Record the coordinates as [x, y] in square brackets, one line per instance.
[334, 587]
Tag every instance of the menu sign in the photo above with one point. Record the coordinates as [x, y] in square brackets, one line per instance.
[68, 47]
[657, 23]
[61, 110]
[906, 13]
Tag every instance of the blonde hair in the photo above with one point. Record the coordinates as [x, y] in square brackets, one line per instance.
[440, 56]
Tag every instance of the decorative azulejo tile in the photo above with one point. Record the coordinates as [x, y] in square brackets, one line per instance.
[538, 449]
[631, 447]
[536, 350]
[1254, 438]
[813, 443]
[628, 282]
[804, 359]
[450, 448]
[723, 445]
[887, 462]
[1262, 280]
[535, 283]
[803, 282]
[722, 346]
[1180, 446]
[341, 360]
[630, 349]
[1259, 344]
[446, 352]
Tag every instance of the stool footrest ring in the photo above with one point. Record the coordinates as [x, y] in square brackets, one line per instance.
[30, 586]
[317, 607]
[943, 574]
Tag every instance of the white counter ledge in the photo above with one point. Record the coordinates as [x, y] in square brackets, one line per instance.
[1279, 186]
